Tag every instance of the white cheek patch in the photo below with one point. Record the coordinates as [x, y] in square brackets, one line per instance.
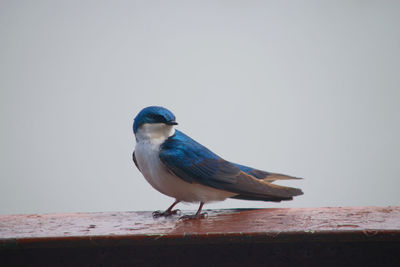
[155, 132]
[172, 131]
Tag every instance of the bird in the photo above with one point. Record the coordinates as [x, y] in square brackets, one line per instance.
[179, 167]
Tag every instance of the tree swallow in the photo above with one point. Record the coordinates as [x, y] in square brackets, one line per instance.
[179, 167]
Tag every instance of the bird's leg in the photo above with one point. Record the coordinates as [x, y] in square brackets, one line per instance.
[198, 214]
[168, 212]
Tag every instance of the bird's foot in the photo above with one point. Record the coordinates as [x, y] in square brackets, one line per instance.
[194, 216]
[167, 213]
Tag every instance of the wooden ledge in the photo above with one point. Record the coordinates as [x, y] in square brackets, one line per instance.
[287, 232]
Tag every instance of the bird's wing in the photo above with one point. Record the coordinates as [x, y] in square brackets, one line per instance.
[194, 163]
[134, 160]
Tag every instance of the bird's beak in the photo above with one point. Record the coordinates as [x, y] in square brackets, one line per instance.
[171, 123]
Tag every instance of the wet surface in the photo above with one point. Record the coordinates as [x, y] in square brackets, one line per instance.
[271, 222]
[349, 236]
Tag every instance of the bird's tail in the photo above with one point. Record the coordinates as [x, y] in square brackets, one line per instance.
[260, 187]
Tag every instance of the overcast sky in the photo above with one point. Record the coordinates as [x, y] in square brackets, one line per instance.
[306, 88]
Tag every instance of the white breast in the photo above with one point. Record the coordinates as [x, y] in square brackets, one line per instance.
[147, 156]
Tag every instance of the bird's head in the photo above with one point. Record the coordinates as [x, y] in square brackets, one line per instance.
[154, 120]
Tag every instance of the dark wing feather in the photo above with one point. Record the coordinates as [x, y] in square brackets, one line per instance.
[134, 160]
[194, 163]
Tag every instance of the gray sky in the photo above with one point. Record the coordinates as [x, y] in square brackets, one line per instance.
[306, 88]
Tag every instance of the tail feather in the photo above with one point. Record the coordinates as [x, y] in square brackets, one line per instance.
[250, 187]
[266, 176]
[271, 177]
[260, 187]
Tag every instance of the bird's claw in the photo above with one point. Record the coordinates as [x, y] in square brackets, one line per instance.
[159, 213]
[194, 216]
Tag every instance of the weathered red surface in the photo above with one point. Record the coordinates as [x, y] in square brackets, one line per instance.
[266, 223]
[350, 236]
